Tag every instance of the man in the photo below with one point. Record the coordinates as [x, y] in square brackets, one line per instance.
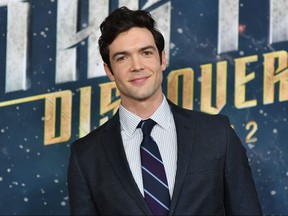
[206, 171]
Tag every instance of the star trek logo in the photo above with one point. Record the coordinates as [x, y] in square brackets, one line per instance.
[68, 36]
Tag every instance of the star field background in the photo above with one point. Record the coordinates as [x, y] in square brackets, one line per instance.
[33, 176]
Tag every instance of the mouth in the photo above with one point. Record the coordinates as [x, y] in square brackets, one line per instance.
[139, 80]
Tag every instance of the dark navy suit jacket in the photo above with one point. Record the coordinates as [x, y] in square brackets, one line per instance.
[213, 175]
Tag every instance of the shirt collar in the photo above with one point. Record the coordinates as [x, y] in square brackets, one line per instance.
[129, 121]
[163, 114]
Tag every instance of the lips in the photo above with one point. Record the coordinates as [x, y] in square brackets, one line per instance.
[139, 80]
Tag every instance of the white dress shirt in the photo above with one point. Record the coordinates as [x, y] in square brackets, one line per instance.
[164, 134]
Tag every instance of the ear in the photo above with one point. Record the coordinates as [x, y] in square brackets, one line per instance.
[108, 72]
[164, 61]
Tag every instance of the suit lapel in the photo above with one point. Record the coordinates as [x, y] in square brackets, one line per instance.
[113, 146]
[185, 128]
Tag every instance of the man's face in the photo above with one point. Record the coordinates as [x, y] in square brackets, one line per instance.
[136, 67]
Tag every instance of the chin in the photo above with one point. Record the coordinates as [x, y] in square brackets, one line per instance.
[142, 97]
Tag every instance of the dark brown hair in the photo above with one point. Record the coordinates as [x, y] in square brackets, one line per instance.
[121, 20]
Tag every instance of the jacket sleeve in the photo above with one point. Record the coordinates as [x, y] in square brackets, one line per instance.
[240, 192]
[81, 201]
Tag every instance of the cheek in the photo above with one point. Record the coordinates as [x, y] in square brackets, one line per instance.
[154, 65]
[120, 69]
[119, 77]
[160, 76]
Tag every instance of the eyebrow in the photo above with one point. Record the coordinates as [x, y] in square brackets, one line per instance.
[125, 52]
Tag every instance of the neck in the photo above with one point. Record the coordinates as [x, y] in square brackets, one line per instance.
[144, 108]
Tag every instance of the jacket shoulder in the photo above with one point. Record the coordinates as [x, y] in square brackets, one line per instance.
[92, 139]
[199, 117]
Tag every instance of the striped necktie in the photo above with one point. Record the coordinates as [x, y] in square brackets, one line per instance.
[156, 192]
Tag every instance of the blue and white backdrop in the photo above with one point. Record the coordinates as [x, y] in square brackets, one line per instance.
[225, 56]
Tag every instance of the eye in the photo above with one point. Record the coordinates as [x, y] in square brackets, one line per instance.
[120, 58]
[147, 52]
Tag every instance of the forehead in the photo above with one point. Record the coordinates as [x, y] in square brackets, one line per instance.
[134, 38]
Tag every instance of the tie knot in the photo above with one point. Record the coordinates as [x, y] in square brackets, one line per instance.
[146, 126]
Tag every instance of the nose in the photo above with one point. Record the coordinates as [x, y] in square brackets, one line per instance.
[136, 64]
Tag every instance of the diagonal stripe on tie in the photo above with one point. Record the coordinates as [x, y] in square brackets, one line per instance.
[155, 188]
[153, 166]
[155, 177]
[155, 184]
[156, 200]
[148, 152]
